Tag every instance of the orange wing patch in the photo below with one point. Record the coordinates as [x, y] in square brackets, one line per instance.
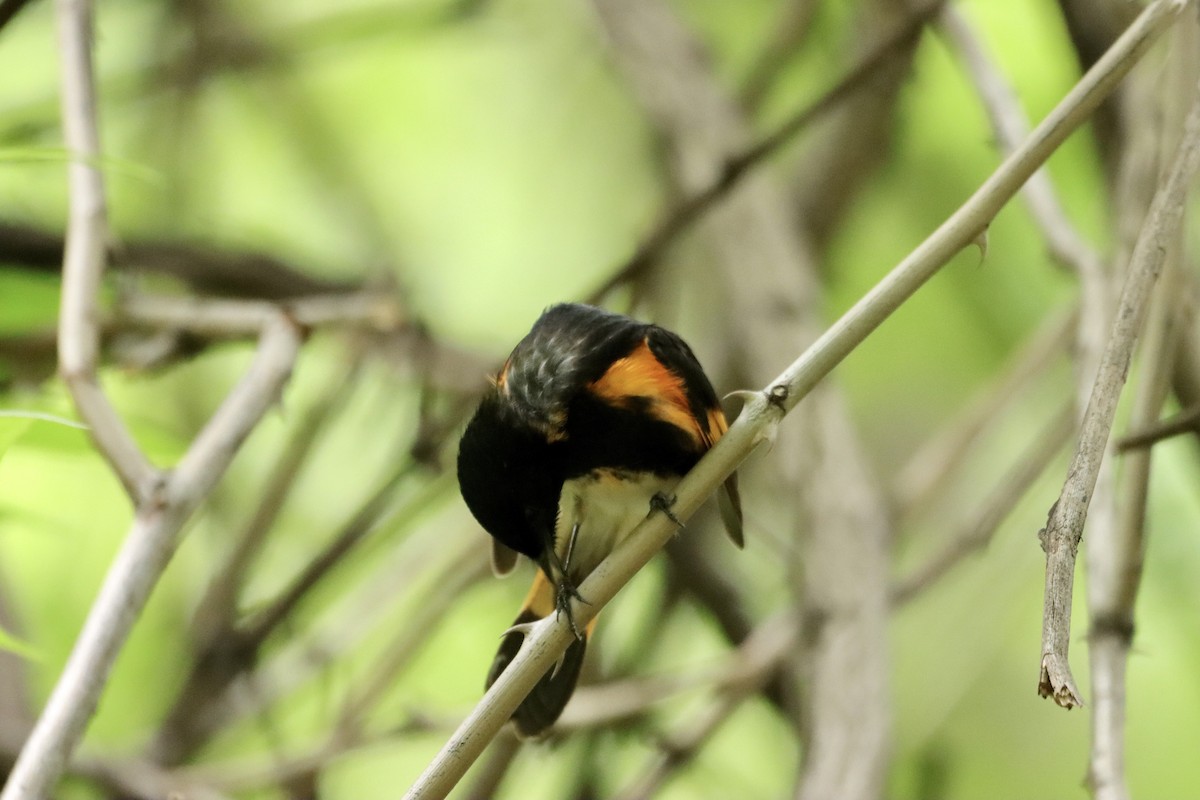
[641, 374]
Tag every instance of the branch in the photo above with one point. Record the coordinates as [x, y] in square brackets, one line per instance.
[766, 408]
[1150, 434]
[1064, 527]
[83, 259]
[203, 269]
[1116, 552]
[151, 541]
[237, 318]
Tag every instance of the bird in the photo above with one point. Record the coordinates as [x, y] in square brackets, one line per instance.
[587, 427]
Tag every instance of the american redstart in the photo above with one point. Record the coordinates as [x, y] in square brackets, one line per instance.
[589, 425]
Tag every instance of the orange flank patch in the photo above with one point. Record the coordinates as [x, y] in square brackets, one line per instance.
[716, 426]
[641, 374]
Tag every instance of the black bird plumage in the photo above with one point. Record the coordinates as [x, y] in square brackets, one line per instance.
[592, 416]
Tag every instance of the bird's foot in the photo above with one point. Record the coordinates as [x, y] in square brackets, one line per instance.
[663, 502]
[562, 603]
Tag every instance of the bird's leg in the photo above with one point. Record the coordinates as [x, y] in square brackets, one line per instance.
[661, 501]
[565, 586]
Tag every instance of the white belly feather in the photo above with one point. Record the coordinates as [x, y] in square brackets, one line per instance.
[607, 505]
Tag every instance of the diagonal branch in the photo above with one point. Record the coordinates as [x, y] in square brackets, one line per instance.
[1064, 527]
[765, 409]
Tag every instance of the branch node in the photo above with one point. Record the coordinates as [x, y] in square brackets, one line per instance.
[778, 395]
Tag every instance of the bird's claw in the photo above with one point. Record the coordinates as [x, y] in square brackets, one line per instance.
[562, 603]
[663, 502]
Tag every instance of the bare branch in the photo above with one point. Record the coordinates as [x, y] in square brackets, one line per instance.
[1186, 421]
[235, 318]
[1115, 552]
[1064, 527]
[203, 269]
[765, 409]
[83, 259]
[132, 779]
[144, 555]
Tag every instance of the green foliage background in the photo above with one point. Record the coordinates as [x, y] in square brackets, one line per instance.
[495, 161]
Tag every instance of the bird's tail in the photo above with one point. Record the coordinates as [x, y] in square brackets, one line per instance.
[545, 702]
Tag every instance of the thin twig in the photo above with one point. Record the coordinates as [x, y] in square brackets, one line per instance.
[683, 215]
[214, 317]
[83, 257]
[765, 409]
[1116, 552]
[1064, 526]
[1186, 421]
